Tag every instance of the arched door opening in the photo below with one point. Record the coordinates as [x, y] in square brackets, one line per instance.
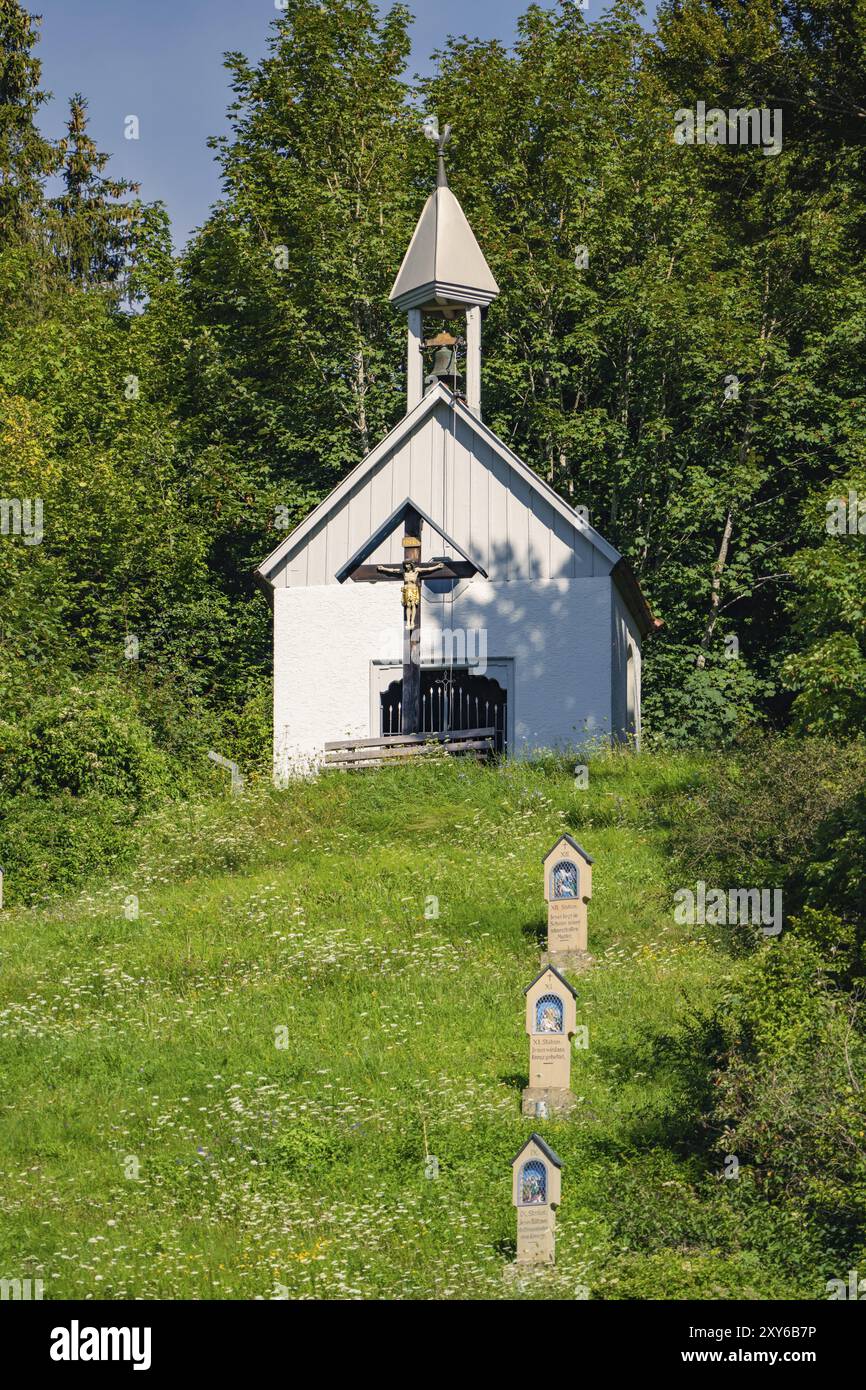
[451, 701]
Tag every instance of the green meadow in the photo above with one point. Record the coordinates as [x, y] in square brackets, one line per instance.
[297, 1071]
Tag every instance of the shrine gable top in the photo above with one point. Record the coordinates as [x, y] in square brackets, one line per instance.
[481, 499]
[548, 1152]
[551, 970]
[567, 839]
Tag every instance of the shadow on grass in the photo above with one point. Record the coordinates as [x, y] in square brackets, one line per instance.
[536, 932]
[517, 1081]
[682, 1062]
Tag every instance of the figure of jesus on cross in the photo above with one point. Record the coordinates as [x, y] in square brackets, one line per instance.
[411, 571]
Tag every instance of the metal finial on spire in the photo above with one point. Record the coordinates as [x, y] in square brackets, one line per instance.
[444, 268]
[431, 131]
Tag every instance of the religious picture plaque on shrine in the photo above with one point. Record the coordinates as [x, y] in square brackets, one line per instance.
[551, 1020]
[567, 890]
[536, 1192]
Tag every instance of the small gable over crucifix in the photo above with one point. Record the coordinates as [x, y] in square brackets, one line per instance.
[411, 516]
[412, 572]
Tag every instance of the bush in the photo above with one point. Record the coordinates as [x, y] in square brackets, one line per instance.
[247, 735]
[76, 769]
[704, 1277]
[686, 706]
[89, 739]
[832, 890]
[757, 816]
[50, 846]
[786, 1058]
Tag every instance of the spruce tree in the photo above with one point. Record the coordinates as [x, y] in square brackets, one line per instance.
[93, 232]
[26, 157]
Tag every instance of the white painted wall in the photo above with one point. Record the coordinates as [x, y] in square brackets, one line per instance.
[557, 632]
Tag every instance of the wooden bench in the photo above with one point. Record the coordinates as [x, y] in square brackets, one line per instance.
[373, 752]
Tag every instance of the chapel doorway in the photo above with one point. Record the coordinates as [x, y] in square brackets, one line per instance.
[451, 700]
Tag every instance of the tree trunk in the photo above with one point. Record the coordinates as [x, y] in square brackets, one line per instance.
[716, 590]
[767, 330]
[361, 396]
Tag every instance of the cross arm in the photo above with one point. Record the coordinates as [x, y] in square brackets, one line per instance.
[445, 569]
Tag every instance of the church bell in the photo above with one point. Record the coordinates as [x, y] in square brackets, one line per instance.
[444, 367]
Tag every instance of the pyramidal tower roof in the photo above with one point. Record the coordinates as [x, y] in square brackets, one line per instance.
[444, 265]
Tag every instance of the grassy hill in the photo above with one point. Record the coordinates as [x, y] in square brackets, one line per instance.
[158, 1140]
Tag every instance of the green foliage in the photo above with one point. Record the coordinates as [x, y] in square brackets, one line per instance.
[304, 1151]
[26, 157]
[702, 268]
[686, 705]
[87, 739]
[93, 231]
[776, 1068]
[832, 890]
[757, 817]
[249, 732]
[790, 1101]
[295, 353]
[76, 768]
[827, 668]
[51, 844]
[703, 1276]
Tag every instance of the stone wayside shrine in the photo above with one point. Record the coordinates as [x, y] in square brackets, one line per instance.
[536, 1191]
[567, 889]
[551, 1019]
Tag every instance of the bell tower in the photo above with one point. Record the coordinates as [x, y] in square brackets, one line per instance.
[444, 275]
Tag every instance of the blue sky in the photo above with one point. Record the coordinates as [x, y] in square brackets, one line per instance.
[161, 60]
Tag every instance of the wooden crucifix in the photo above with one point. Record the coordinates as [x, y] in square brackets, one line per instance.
[412, 572]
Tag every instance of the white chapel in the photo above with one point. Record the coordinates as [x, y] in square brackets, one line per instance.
[520, 616]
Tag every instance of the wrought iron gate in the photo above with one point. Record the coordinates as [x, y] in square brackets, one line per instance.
[451, 701]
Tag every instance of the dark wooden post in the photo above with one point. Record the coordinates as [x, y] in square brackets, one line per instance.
[411, 720]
